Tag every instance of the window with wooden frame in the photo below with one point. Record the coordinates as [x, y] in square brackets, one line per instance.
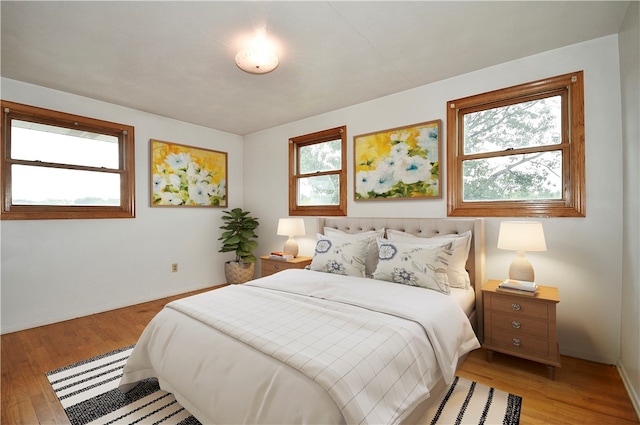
[318, 173]
[519, 151]
[62, 166]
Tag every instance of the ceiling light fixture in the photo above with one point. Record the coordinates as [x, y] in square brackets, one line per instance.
[259, 57]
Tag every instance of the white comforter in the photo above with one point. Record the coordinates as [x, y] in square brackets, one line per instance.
[325, 353]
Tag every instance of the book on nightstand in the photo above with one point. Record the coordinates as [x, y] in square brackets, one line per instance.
[521, 287]
[278, 255]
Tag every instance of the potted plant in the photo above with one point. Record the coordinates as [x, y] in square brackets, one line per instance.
[239, 236]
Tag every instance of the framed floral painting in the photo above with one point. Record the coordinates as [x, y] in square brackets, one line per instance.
[399, 163]
[187, 176]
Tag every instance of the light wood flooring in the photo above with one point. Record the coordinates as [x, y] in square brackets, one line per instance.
[582, 393]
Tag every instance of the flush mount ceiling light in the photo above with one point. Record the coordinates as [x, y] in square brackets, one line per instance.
[257, 61]
[259, 57]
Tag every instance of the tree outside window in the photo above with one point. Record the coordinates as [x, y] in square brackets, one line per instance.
[518, 151]
[317, 174]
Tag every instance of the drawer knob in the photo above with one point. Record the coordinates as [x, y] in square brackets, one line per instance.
[515, 306]
[276, 266]
[515, 324]
[516, 342]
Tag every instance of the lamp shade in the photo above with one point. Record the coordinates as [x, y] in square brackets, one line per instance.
[521, 236]
[291, 227]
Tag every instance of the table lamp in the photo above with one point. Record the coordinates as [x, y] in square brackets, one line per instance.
[521, 236]
[291, 227]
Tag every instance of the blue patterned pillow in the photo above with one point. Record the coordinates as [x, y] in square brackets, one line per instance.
[415, 265]
[371, 258]
[457, 269]
[340, 256]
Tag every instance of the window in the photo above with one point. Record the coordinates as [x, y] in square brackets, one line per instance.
[317, 173]
[519, 151]
[57, 165]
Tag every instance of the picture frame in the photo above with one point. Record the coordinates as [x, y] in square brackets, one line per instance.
[187, 176]
[399, 163]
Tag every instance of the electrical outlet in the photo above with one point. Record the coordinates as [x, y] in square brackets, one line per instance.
[174, 267]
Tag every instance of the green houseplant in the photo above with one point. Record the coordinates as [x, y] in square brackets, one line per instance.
[239, 236]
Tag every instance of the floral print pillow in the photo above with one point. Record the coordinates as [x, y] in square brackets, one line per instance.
[457, 269]
[415, 265]
[340, 256]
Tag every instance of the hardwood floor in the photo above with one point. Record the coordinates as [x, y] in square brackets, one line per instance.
[582, 393]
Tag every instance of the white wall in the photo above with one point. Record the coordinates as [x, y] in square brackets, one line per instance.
[584, 257]
[630, 326]
[54, 270]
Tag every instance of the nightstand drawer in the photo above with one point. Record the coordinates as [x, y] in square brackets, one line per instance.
[519, 343]
[519, 306]
[520, 324]
[270, 267]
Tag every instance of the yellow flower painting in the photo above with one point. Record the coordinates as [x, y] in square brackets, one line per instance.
[187, 176]
[399, 163]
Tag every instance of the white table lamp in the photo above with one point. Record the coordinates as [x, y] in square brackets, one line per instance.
[291, 227]
[521, 236]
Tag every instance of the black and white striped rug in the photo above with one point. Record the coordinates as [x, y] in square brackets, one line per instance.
[89, 395]
[467, 402]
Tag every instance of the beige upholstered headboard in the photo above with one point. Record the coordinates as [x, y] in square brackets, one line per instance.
[427, 227]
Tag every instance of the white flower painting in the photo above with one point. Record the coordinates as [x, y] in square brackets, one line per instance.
[187, 176]
[399, 163]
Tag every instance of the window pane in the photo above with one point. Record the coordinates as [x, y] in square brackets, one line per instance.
[320, 190]
[526, 124]
[325, 156]
[513, 177]
[55, 186]
[40, 142]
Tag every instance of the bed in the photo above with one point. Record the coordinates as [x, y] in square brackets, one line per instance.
[312, 346]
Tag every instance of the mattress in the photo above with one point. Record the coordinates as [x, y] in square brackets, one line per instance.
[465, 298]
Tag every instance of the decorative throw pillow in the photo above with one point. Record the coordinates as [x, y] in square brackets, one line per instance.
[416, 265]
[457, 271]
[371, 259]
[339, 256]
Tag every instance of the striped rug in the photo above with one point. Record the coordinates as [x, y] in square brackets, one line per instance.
[467, 402]
[89, 395]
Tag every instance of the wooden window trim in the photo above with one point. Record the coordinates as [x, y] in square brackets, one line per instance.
[125, 134]
[573, 202]
[294, 166]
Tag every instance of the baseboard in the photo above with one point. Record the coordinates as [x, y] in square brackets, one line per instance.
[95, 309]
[589, 356]
[633, 395]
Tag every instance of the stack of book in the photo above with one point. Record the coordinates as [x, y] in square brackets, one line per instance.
[279, 255]
[521, 287]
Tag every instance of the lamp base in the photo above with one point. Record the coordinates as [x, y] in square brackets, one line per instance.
[291, 247]
[521, 268]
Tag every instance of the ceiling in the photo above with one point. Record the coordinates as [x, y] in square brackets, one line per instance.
[176, 59]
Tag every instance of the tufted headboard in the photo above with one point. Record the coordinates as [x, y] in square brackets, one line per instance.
[427, 227]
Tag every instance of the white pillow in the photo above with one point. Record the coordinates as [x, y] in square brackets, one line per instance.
[371, 259]
[340, 256]
[457, 272]
[411, 264]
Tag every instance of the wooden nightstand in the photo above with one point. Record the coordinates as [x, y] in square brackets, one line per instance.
[522, 325]
[271, 266]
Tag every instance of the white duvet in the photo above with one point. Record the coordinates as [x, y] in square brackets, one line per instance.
[303, 347]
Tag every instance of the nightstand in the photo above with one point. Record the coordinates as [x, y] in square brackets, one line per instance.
[522, 325]
[271, 266]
